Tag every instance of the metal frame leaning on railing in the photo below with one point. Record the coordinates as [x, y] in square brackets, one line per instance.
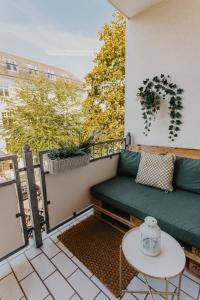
[108, 148]
[20, 214]
[99, 150]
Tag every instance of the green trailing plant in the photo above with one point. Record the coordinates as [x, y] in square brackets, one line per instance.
[71, 150]
[150, 95]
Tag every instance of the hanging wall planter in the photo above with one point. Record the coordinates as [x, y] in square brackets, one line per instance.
[150, 95]
[56, 166]
[67, 158]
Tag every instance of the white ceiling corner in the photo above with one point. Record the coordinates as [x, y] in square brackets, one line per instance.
[130, 8]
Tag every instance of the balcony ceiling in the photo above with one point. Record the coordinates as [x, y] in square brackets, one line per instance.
[130, 8]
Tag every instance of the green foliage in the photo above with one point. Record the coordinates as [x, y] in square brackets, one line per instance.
[104, 105]
[150, 96]
[86, 144]
[71, 150]
[44, 114]
[62, 153]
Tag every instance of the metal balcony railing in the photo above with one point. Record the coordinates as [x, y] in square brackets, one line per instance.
[45, 201]
[107, 148]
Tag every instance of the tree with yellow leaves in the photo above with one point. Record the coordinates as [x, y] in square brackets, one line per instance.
[104, 105]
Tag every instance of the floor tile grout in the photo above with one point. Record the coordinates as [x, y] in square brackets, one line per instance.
[63, 250]
[198, 297]
[198, 283]
[175, 287]
[55, 254]
[18, 281]
[98, 286]
[46, 297]
[72, 273]
[72, 296]
[30, 259]
[59, 271]
[6, 276]
[97, 295]
[78, 268]
[41, 280]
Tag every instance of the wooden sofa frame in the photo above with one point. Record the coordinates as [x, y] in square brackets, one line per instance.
[192, 253]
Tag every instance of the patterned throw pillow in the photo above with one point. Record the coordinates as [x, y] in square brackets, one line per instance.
[156, 170]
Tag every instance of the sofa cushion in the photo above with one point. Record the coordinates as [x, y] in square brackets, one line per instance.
[156, 170]
[177, 213]
[187, 174]
[129, 163]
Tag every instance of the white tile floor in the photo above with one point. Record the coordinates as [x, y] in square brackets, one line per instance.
[53, 272]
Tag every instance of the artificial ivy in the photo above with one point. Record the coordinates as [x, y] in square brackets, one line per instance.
[150, 95]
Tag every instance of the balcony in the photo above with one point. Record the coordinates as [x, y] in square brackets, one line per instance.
[40, 213]
[51, 270]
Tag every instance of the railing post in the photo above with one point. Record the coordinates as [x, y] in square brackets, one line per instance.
[128, 139]
[30, 175]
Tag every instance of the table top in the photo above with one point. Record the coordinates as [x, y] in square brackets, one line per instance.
[169, 263]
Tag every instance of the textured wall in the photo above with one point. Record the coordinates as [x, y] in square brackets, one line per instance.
[165, 39]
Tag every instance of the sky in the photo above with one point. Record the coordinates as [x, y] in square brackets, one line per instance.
[62, 33]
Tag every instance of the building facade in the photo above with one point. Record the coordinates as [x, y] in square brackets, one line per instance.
[13, 67]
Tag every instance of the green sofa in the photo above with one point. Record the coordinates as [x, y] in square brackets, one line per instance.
[177, 212]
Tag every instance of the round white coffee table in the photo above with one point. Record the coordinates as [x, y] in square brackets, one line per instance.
[170, 263]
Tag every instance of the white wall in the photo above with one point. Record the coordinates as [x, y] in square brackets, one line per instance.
[74, 188]
[165, 39]
[132, 7]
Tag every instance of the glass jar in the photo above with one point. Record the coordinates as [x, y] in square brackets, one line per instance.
[150, 237]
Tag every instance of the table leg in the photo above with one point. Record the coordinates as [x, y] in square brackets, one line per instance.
[166, 288]
[149, 289]
[179, 286]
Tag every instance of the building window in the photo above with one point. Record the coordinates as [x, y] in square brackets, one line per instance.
[12, 91]
[32, 70]
[5, 118]
[11, 65]
[51, 75]
[4, 90]
[5, 114]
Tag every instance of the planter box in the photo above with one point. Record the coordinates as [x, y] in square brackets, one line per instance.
[62, 165]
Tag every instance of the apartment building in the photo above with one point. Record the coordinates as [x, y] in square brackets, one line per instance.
[13, 67]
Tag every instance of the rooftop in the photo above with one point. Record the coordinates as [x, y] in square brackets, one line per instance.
[26, 64]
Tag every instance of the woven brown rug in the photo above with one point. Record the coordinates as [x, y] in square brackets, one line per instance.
[97, 245]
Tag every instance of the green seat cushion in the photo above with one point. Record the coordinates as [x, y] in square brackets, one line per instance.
[128, 163]
[187, 174]
[177, 212]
